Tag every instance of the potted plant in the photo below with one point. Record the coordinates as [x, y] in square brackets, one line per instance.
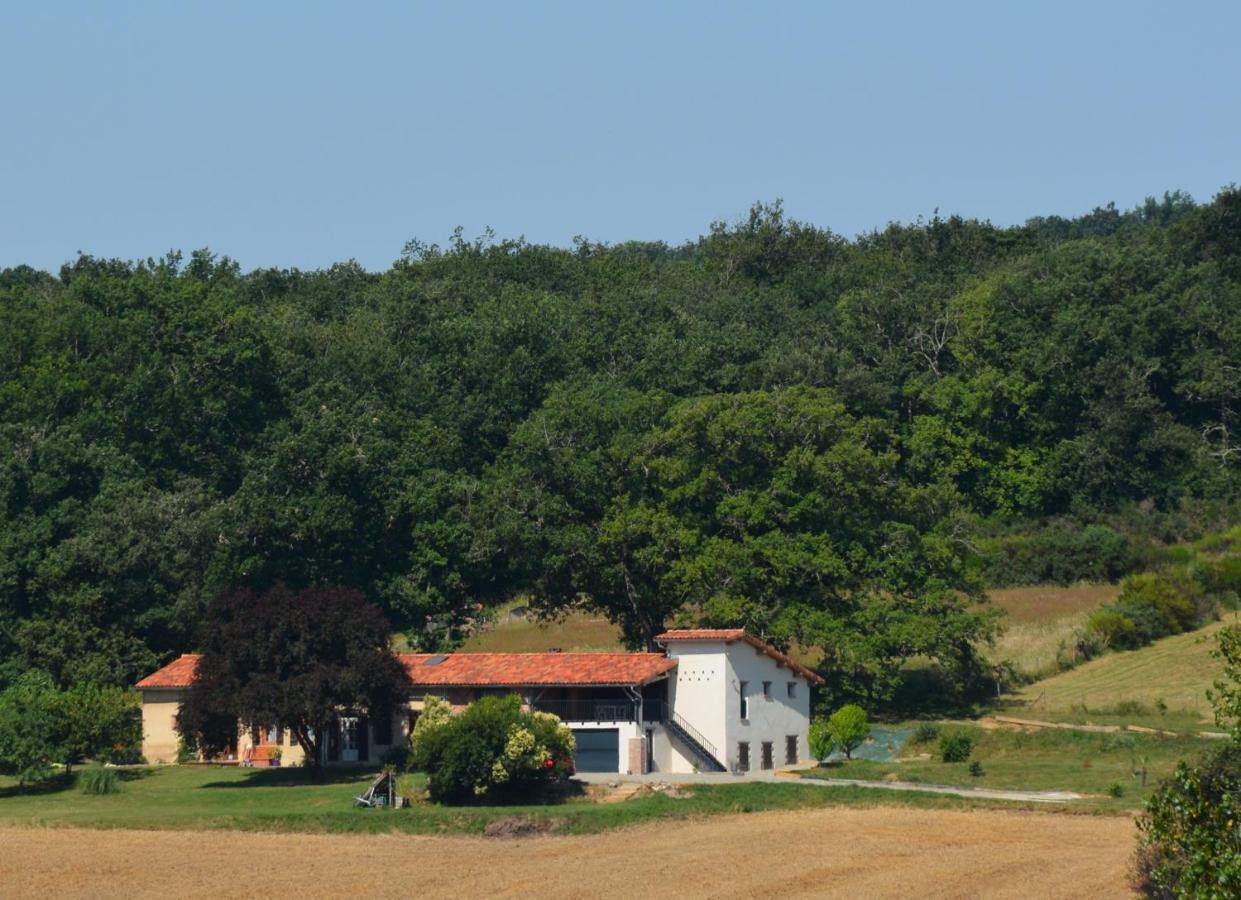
[276, 753]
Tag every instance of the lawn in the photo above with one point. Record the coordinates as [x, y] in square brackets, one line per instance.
[1084, 762]
[210, 797]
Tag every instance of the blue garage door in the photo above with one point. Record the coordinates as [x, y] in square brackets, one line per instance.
[598, 749]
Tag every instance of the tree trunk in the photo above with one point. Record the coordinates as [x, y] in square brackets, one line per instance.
[310, 745]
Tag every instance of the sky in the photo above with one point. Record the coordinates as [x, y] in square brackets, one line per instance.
[303, 134]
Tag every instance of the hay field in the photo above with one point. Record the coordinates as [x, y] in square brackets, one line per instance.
[871, 852]
[1176, 670]
[1040, 620]
[515, 633]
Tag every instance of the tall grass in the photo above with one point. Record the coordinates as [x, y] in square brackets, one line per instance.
[98, 780]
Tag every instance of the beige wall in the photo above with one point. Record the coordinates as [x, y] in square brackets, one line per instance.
[160, 739]
[159, 735]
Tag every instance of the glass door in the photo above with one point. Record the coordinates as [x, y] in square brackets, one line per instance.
[348, 738]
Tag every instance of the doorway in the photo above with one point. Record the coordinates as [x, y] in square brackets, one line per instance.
[348, 738]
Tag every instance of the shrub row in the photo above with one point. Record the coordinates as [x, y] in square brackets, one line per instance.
[1153, 605]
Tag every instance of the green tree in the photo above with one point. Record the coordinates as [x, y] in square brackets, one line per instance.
[849, 727]
[1189, 843]
[42, 726]
[822, 742]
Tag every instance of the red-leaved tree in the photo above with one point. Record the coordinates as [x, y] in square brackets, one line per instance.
[293, 657]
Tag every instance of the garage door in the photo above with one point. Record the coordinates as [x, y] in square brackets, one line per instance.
[598, 749]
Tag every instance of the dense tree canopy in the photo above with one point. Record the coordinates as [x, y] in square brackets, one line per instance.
[494, 418]
[292, 659]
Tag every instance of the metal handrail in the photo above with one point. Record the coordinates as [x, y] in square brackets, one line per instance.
[695, 735]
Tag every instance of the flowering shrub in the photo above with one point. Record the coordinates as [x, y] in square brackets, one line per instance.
[494, 751]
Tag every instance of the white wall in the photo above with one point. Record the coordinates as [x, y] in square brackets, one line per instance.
[771, 719]
[705, 693]
[698, 695]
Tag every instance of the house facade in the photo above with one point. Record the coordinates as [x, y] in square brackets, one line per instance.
[713, 700]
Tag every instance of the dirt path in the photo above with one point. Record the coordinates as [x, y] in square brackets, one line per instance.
[880, 852]
[978, 793]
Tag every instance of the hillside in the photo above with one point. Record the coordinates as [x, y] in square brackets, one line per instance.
[801, 431]
[1175, 671]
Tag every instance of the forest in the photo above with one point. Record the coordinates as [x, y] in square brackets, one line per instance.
[837, 443]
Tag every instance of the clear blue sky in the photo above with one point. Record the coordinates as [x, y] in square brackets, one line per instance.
[299, 134]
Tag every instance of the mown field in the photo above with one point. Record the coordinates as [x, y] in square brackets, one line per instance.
[887, 851]
[1173, 674]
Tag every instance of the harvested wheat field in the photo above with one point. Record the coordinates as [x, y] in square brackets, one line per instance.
[878, 852]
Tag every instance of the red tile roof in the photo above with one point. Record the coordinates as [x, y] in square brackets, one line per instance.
[486, 669]
[728, 635]
[513, 669]
[177, 674]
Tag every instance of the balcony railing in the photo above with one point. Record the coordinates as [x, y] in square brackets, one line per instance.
[604, 710]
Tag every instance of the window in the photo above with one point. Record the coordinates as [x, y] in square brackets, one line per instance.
[792, 689]
[292, 738]
[766, 690]
[745, 702]
[790, 750]
[743, 756]
[768, 762]
[279, 735]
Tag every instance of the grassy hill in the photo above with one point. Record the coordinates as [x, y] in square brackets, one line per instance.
[1175, 671]
[513, 631]
[1040, 621]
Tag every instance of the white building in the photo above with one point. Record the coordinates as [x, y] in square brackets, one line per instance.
[714, 700]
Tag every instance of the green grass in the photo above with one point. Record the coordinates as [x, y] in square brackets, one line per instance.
[201, 798]
[1176, 671]
[1087, 763]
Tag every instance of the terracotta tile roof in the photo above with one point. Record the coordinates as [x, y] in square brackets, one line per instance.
[177, 674]
[513, 669]
[486, 669]
[728, 635]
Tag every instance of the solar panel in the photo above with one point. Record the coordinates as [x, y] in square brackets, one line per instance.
[436, 660]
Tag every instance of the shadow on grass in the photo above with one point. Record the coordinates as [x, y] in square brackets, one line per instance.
[554, 794]
[67, 781]
[294, 777]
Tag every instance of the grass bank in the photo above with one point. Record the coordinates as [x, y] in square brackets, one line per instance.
[1087, 763]
[291, 800]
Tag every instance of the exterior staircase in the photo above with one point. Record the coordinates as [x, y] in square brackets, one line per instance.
[700, 748]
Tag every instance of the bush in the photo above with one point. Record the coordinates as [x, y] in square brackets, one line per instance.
[848, 727]
[407, 789]
[1112, 628]
[925, 733]
[955, 746]
[493, 751]
[976, 769]
[1058, 552]
[398, 758]
[1116, 789]
[98, 780]
[821, 743]
[1188, 841]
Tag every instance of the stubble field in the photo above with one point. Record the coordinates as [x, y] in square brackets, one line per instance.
[855, 852]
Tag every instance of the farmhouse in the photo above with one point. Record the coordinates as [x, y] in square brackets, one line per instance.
[713, 700]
